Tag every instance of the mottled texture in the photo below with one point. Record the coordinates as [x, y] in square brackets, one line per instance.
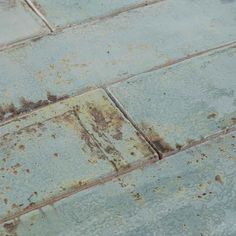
[113, 49]
[63, 147]
[176, 197]
[183, 103]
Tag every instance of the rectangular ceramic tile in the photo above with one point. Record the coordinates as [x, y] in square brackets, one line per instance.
[112, 49]
[62, 147]
[17, 22]
[191, 193]
[65, 13]
[185, 102]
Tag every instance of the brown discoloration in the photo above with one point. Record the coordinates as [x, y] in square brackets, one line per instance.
[14, 206]
[154, 137]
[5, 200]
[7, 111]
[107, 120]
[218, 179]
[10, 111]
[30, 206]
[101, 124]
[51, 97]
[233, 120]
[27, 105]
[77, 185]
[22, 147]
[11, 227]
[178, 146]
[211, 115]
[137, 196]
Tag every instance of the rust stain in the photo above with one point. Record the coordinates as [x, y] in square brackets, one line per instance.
[22, 147]
[137, 196]
[101, 124]
[10, 111]
[211, 115]
[12, 226]
[5, 200]
[178, 146]
[233, 120]
[78, 184]
[155, 138]
[218, 179]
[30, 207]
[107, 119]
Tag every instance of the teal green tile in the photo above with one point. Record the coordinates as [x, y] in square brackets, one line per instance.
[71, 12]
[190, 193]
[113, 49]
[18, 22]
[54, 150]
[183, 103]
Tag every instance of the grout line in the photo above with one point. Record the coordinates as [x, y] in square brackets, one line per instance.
[173, 62]
[128, 117]
[202, 141]
[22, 42]
[103, 86]
[73, 26]
[34, 9]
[111, 14]
[167, 154]
[113, 175]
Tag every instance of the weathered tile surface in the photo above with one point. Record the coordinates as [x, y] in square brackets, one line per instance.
[112, 49]
[191, 193]
[17, 22]
[184, 102]
[62, 147]
[64, 13]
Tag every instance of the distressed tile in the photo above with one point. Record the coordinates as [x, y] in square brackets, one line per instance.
[191, 193]
[185, 102]
[66, 13]
[113, 49]
[62, 147]
[17, 22]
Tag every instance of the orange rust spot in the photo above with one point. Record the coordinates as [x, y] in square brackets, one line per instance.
[218, 179]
